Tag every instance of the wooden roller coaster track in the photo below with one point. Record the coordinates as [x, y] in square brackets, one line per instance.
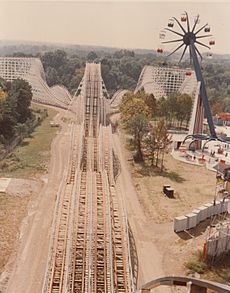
[89, 248]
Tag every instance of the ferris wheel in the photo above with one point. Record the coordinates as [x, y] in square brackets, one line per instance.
[191, 38]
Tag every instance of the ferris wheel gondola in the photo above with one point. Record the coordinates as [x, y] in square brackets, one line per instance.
[171, 23]
[183, 17]
[207, 29]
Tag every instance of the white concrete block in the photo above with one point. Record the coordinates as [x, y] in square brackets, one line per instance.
[212, 209]
[180, 223]
[197, 212]
[203, 213]
[209, 209]
[217, 208]
[191, 220]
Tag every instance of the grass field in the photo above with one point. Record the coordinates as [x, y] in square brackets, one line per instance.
[30, 158]
[32, 155]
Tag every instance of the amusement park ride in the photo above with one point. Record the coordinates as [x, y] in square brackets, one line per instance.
[189, 39]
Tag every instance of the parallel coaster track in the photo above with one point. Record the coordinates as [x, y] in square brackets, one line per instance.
[57, 260]
[89, 251]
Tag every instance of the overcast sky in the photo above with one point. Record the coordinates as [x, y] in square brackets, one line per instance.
[125, 24]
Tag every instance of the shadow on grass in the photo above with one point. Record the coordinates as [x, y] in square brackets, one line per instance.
[172, 176]
[195, 232]
[146, 170]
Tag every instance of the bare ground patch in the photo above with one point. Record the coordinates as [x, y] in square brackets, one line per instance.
[194, 186]
[12, 211]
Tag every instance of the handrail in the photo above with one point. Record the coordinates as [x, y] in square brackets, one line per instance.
[183, 281]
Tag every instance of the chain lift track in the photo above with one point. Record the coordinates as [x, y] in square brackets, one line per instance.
[89, 250]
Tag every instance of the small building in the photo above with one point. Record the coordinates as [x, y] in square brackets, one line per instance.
[177, 139]
[222, 119]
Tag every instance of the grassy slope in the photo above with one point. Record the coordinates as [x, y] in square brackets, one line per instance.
[32, 155]
[27, 159]
[220, 272]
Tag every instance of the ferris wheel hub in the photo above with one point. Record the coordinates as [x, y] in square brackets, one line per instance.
[188, 37]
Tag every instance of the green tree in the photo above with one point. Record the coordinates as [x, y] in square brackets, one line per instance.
[123, 53]
[52, 77]
[54, 59]
[162, 108]
[133, 104]
[21, 92]
[157, 142]
[135, 115]
[150, 146]
[92, 56]
[151, 102]
[137, 126]
[172, 106]
[8, 119]
[183, 108]
[15, 113]
[176, 108]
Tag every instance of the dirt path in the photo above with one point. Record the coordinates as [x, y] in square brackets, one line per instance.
[27, 273]
[150, 257]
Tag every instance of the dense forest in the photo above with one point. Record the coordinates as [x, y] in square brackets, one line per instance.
[120, 68]
[217, 78]
[17, 120]
[15, 99]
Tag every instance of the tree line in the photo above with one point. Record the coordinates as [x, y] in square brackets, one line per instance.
[15, 112]
[147, 120]
[217, 79]
[149, 141]
[62, 69]
[121, 70]
[175, 109]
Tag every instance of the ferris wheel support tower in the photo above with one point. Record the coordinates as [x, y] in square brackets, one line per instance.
[203, 101]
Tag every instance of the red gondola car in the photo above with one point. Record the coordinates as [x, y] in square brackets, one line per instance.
[171, 23]
[188, 73]
[159, 50]
[183, 17]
